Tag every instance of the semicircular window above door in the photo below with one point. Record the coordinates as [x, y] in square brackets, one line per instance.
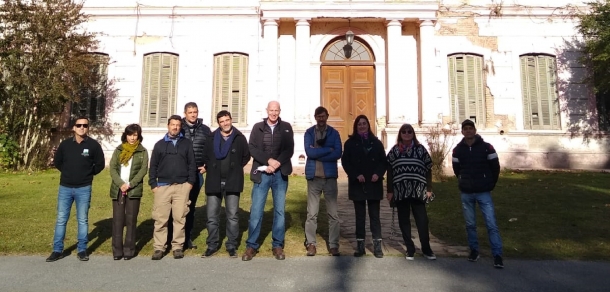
[335, 51]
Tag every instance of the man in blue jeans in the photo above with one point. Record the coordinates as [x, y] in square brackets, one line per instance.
[271, 145]
[476, 165]
[78, 159]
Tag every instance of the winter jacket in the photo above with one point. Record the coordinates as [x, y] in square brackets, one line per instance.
[328, 153]
[239, 156]
[477, 167]
[281, 143]
[172, 164]
[139, 168]
[364, 157]
[199, 138]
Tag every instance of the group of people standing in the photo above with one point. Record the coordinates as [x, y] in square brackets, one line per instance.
[190, 149]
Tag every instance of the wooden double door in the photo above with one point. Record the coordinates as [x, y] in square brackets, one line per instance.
[347, 92]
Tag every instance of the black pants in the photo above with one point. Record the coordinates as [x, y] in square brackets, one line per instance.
[360, 208]
[124, 215]
[213, 206]
[421, 221]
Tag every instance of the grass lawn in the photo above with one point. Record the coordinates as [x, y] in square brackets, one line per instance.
[541, 215]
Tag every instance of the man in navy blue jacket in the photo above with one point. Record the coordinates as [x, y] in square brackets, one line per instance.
[323, 149]
[476, 165]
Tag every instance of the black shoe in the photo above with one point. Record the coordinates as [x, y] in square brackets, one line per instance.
[118, 258]
[209, 252]
[82, 256]
[232, 252]
[178, 254]
[54, 256]
[157, 255]
[430, 256]
[128, 257]
[360, 251]
[498, 264]
[474, 256]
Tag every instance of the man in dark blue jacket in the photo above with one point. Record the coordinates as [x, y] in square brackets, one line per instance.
[323, 149]
[476, 165]
[171, 178]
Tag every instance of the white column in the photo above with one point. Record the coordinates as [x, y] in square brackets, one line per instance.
[270, 31]
[303, 86]
[429, 95]
[402, 107]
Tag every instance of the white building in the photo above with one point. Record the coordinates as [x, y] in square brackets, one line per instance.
[510, 65]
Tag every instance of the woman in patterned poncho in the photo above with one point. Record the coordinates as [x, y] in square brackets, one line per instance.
[409, 185]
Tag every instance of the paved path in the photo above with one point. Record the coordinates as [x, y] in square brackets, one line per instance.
[320, 273]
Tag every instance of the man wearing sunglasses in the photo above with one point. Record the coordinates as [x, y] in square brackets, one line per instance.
[78, 159]
[323, 149]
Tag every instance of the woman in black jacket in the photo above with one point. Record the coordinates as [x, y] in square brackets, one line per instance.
[364, 161]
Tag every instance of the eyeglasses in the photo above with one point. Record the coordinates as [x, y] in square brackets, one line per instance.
[406, 132]
[82, 125]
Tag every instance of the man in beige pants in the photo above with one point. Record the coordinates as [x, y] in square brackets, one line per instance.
[171, 177]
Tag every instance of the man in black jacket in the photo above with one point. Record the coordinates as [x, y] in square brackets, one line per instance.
[171, 177]
[195, 130]
[78, 159]
[476, 165]
[271, 146]
[225, 156]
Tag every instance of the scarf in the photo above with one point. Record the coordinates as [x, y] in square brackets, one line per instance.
[364, 135]
[221, 152]
[127, 152]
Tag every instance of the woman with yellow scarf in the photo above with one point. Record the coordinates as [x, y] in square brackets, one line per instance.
[128, 166]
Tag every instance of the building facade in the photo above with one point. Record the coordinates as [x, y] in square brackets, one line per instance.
[511, 67]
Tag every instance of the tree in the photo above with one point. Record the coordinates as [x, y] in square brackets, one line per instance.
[595, 29]
[46, 63]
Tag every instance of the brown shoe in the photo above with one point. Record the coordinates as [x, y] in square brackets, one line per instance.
[278, 253]
[249, 254]
[311, 250]
[334, 252]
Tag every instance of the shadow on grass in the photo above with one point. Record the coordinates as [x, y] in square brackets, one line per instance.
[101, 232]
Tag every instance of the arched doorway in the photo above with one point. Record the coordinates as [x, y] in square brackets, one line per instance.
[348, 84]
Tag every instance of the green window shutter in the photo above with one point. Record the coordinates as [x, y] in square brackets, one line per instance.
[538, 77]
[548, 94]
[526, 92]
[230, 86]
[466, 88]
[159, 89]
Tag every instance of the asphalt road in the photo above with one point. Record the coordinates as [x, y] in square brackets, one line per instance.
[319, 273]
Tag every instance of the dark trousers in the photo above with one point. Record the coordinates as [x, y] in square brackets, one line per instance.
[360, 208]
[190, 216]
[124, 215]
[213, 206]
[421, 221]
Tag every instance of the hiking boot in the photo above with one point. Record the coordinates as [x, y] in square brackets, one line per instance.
[249, 254]
[178, 254]
[157, 255]
[54, 256]
[377, 252]
[474, 256]
[311, 250]
[334, 252]
[209, 252]
[360, 251]
[232, 252]
[430, 256]
[498, 264]
[82, 256]
[278, 253]
[410, 256]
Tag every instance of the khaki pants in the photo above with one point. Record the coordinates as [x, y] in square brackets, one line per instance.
[174, 199]
[315, 188]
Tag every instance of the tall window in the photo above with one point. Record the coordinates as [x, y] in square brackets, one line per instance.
[466, 88]
[92, 102]
[538, 87]
[231, 86]
[159, 87]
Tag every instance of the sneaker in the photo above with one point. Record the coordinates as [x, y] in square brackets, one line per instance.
[232, 252]
[82, 256]
[410, 256]
[474, 256]
[157, 255]
[54, 256]
[209, 252]
[178, 254]
[498, 264]
[430, 256]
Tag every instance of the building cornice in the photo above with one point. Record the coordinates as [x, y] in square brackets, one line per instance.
[147, 11]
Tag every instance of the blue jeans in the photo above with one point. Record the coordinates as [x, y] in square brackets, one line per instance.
[487, 208]
[278, 184]
[65, 198]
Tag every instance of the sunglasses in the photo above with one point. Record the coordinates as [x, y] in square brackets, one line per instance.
[82, 125]
[406, 132]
